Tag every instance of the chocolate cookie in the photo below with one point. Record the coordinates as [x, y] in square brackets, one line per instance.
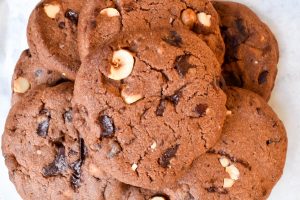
[52, 35]
[100, 20]
[28, 74]
[251, 49]
[247, 161]
[45, 155]
[145, 100]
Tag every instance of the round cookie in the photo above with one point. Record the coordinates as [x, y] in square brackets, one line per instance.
[252, 53]
[52, 35]
[247, 161]
[100, 20]
[28, 74]
[44, 153]
[145, 100]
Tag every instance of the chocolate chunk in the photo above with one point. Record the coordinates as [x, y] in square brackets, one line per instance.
[68, 116]
[38, 73]
[263, 77]
[28, 53]
[83, 150]
[161, 107]
[43, 126]
[61, 25]
[201, 110]
[58, 166]
[76, 175]
[175, 98]
[214, 189]
[115, 149]
[182, 65]
[166, 157]
[72, 16]
[107, 126]
[173, 39]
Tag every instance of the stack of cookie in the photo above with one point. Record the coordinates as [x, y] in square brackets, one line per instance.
[160, 100]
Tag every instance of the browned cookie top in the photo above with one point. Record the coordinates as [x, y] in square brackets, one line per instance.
[145, 100]
[28, 74]
[52, 35]
[247, 161]
[251, 49]
[46, 157]
[100, 20]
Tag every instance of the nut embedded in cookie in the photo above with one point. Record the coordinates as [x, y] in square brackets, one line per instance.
[188, 17]
[51, 10]
[204, 19]
[21, 85]
[110, 12]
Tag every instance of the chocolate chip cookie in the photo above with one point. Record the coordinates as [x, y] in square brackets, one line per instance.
[247, 161]
[45, 155]
[145, 100]
[251, 49]
[28, 74]
[100, 20]
[52, 35]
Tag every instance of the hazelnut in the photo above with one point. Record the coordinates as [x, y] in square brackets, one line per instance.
[204, 19]
[130, 99]
[110, 12]
[188, 17]
[21, 85]
[225, 162]
[122, 65]
[51, 10]
[153, 146]
[233, 172]
[134, 167]
[228, 183]
[157, 198]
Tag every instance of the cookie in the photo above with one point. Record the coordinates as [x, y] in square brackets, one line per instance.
[28, 74]
[45, 155]
[145, 100]
[252, 54]
[100, 20]
[52, 35]
[247, 161]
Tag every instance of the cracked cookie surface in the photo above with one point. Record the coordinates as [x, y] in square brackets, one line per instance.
[28, 74]
[52, 35]
[161, 101]
[248, 159]
[252, 53]
[45, 155]
[100, 20]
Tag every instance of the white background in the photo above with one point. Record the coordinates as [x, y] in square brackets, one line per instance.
[283, 16]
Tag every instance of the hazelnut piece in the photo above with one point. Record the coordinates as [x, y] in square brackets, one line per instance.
[204, 19]
[110, 12]
[51, 10]
[233, 172]
[188, 17]
[228, 183]
[21, 85]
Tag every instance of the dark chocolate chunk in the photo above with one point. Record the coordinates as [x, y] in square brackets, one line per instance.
[115, 150]
[43, 126]
[61, 25]
[72, 16]
[161, 107]
[214, 189]
[58, 166]
[83, 150]
[263, 77]
[173, 39]
[68, 116]
[107, 126]
[166, 157]
[76, 175]
[182, 64]
[201, 110]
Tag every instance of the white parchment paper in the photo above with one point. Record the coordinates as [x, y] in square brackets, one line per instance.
[283, 16]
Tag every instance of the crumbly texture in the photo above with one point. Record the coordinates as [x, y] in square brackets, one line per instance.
[252, 53]
[34, 72]
[45, 155]
[54, 40]
[253, 140]
[96, 27]
[151, 142]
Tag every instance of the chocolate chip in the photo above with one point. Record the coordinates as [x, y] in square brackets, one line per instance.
[43, 126]
[27, 51]
[68, 116]
[115, 149]
[182, 65]
[107, 126]
[161, 107]
[38, 73]
[214, 189]
[72, 16]
[175, 98]
[58, 166]
[173, 39]
[61, 25]
[166, 157]
[93, 24]
[263, 77]
[76, 175]
[201, 110]
[83, 150]
[272, 141]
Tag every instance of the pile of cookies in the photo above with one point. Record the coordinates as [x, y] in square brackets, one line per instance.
[148, 99]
